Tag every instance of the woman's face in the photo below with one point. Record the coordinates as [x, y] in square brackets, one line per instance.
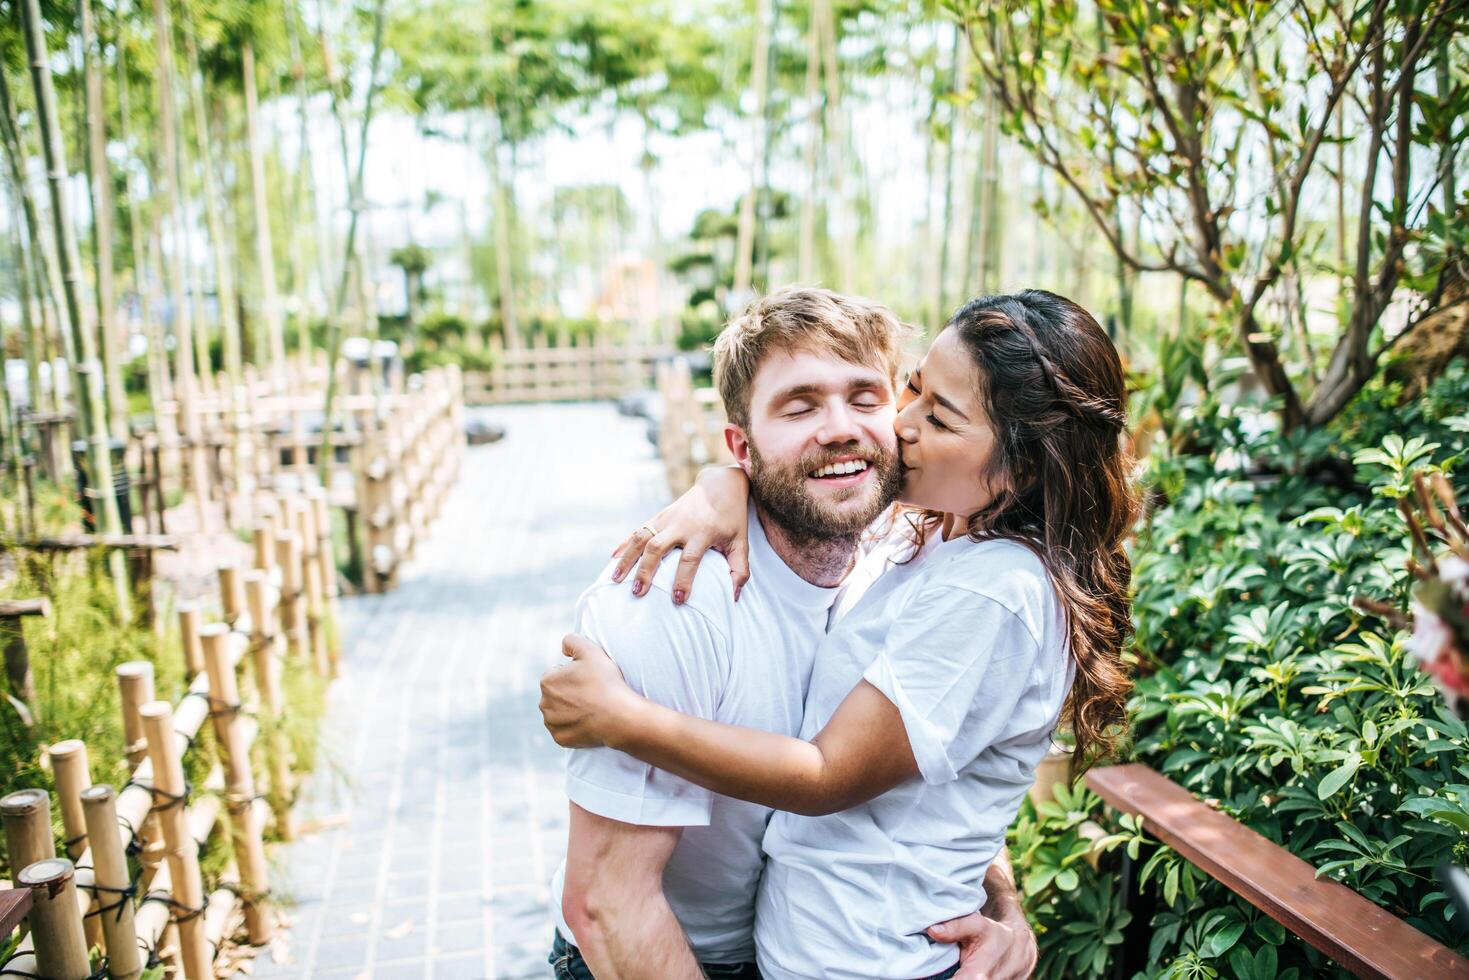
[945, 438]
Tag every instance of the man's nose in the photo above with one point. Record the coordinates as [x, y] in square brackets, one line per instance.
[839, 424]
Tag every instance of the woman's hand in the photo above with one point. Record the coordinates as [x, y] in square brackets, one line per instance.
[713, 513]
[585, 701]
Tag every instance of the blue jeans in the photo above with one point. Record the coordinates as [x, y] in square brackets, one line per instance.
[567, 963]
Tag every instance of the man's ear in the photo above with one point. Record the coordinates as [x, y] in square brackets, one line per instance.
[739, 445]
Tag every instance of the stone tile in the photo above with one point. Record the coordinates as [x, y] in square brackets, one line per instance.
[341, 952]
[467, 968]
[433, 761]
[346, 920]
[459, 938]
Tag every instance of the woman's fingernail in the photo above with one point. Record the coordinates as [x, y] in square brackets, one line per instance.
[678, 596]
[616, 575]
[637, 588]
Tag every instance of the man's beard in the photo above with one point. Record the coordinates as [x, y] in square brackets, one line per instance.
[780, 490]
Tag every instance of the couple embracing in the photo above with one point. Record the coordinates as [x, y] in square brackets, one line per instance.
[798, 756]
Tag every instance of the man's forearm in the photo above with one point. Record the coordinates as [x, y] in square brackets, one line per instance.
[1001, 895]
[631, 939]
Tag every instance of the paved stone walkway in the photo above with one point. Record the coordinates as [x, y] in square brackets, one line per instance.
[439, 798]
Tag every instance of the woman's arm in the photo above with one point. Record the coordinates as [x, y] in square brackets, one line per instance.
[713, 513]
[861, 753]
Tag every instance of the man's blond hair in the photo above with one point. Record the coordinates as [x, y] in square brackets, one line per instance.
[854, 329]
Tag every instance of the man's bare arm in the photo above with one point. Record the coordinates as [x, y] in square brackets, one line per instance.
[613, 900]
[997, 942]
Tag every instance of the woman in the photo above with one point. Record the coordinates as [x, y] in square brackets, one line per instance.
[999, 608]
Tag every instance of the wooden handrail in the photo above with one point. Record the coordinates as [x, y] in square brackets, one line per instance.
[1364, 938]
[83, 542]
[15, 904]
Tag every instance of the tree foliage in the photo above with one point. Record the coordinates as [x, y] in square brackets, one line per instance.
[1213, 121]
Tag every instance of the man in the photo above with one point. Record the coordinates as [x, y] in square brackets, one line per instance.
[660, 875]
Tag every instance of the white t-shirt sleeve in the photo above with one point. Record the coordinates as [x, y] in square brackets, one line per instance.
[673, 655]
[955, 663]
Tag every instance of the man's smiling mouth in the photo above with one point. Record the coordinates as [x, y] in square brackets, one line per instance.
[839, 469]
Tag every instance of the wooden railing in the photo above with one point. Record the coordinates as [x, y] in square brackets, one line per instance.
[579, 371]
[691, 430]
[1364, 938]
[275, 617]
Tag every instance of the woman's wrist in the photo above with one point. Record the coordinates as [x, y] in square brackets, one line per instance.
[624, 719]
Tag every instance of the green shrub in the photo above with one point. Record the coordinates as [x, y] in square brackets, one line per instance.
[1261, 687]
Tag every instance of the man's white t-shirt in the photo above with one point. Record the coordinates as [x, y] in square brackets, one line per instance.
[744, 664]
[968, 640]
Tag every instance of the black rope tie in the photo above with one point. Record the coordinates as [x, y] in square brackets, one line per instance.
[71, 842]
[171, 800]
[219, 707]
[124, 896]
[135, 844]
[152, 958]
[234, 804]
[164, 898]
[6, 970]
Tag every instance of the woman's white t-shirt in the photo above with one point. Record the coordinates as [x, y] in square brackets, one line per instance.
[968, 640]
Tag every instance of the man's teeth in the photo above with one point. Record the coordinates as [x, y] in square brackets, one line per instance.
[842, 469]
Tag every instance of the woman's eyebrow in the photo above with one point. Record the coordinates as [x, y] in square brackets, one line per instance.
[947, 404]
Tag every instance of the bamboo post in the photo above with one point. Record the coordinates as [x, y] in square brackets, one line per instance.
[26, 814]
[113, 887]
[224, 707]
[189, 619]
[69, 765]
[182, 851]
[231, 593]
[135, 685]
[263, 538]
[293, 607]
[321, 508]
[265, 663]
[303, 522]
[299, 454]
[56, 922]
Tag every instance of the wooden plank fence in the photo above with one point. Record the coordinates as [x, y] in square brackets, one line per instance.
[579, 370]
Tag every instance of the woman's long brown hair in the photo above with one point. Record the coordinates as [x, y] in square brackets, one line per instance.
[1052, 384]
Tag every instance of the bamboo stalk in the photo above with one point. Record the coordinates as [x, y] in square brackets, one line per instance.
[26, 814]
[135, 683]
[263, 539]
[265, 661]
[182, 852]
[304, 516]
[69, 765]
[189, 625]
[239, 781]
[292, 606]
[56, 922]
[91, 418]
[110, 874]
[231, 593]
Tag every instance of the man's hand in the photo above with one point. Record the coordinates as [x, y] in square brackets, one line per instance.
[1002, 948]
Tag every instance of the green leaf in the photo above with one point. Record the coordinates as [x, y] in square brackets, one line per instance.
[1333, 781]
[1222, 939]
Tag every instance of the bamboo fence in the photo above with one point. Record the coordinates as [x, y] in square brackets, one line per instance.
[126, 877]
[691, 429]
